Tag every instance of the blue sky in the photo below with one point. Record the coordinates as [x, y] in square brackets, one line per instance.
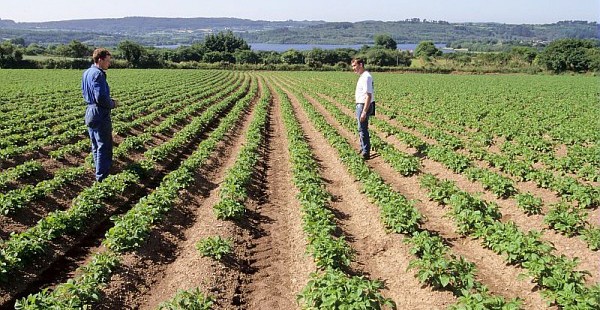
[505, 11]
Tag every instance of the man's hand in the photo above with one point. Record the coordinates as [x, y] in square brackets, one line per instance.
[363, 116]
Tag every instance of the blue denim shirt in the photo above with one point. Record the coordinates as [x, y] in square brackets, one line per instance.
[96, 94]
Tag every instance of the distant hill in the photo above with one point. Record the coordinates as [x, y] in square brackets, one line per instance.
[415, 31]
[145, 25]
[168, 31]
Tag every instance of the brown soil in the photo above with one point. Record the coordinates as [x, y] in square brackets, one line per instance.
[269, 266]
[379, 256]
[67, 253]
[491, 269]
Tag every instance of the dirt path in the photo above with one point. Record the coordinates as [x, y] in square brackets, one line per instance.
[379, 256]
[278, 253]
[169, 261]
[269, 266]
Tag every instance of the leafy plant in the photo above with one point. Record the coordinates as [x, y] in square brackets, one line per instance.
[215, 247]
[188, 300]
[332, 289]
[485, 301]
[529, 203]
[472, 214]
[517, 246]
[229, 210]
[439, 190]
[565, 218]
[329, 251]
[591, 235]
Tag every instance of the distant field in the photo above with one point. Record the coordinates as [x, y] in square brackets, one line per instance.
[482, 191]
[38, 57]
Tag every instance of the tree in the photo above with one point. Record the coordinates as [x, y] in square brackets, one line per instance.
[246, 57]
[131, 51]
[18, 42]
[318, 57]
[568, 54]
[34, 49]
[403, 58]
[344, 55]
[74, 49]
[594, 59]
[190, 53]
[269, 57]
[381, 57]
[292, 57]
[151, 58]
[78, 49]
[10, 55]
[526, 54]
[213, 57]
[427, 49]
[385, 41]
[224, 42]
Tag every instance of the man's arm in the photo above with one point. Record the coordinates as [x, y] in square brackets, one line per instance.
[367, 105]
[101, 93]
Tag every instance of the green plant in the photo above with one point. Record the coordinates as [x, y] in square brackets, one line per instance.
[329, 251]
[484, 301]
[591, 235]
[215, 247]
[229, 210]
[472, 214]
[332, 289]
[565, 218]
[188, 300]
[439, 190]
[529, 203]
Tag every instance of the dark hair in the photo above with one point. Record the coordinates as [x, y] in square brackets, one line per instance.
[100, 53]
[358, 61]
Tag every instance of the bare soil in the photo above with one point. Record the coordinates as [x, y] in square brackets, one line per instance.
[269, 266]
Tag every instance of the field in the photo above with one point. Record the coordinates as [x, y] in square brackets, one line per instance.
[482, 192]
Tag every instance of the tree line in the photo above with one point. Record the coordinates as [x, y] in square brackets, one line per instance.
[224, 49]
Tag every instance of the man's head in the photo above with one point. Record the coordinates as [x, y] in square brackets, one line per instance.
[358, 65]
[101, 58]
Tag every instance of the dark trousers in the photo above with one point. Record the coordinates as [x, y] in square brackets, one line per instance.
[102, 149]
[363, 128]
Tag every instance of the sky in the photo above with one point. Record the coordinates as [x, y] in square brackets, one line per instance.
[502, 11]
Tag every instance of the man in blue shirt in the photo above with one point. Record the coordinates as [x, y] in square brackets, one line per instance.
[96, 94]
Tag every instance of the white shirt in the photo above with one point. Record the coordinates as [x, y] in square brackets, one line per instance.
[364, 86]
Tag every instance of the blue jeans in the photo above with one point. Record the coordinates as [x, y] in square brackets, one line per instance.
[363, 129]
[102, 149]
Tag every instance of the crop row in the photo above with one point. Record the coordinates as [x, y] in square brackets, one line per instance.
[32, 242]
[560, 217]
[330, 286]
[437, 267]
[70, 126]
[477, 218]
[132, 229]
[557, 294]
[16, 199]
[563, 285]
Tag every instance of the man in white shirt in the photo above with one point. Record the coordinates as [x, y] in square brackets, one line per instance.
[365, 105]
